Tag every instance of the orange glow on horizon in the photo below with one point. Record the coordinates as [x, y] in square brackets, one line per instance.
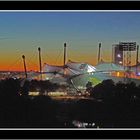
[8, 64]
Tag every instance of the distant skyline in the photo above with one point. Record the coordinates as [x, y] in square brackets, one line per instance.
[23, 32]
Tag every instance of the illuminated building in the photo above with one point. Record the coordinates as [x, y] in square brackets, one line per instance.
[117, 55]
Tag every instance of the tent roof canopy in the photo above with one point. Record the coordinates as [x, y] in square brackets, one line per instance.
[71, 68]
[107, 66]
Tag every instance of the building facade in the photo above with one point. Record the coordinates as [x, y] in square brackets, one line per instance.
[117, 55]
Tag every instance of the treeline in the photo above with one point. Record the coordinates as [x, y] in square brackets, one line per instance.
[113, 106]
[108, 90]
[17, 109]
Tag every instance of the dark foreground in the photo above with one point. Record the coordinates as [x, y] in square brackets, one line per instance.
[114, 106]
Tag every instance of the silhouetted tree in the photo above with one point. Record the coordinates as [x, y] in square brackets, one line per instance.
[25, 88]
[104, 90]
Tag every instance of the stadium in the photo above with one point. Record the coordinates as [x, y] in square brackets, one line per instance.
[78, 74]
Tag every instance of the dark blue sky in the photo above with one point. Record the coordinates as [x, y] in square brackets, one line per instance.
[81, 30]
[82, 24]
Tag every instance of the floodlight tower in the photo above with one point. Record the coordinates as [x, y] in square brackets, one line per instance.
[127, 48]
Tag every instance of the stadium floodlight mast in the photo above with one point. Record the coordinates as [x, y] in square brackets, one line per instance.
[23, 57]
[40, 65]
[127, 48]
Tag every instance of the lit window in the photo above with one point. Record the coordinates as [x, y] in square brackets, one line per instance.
[118, 55]
[118, 74]
[120, 62]
[138, 74]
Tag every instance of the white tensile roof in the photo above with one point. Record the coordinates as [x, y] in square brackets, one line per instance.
[81, 67]
[107, 66]
[71, 68]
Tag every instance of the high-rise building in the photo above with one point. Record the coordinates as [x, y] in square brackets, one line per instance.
[117, 55]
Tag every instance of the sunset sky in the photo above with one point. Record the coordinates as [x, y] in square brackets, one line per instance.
[23, 32]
